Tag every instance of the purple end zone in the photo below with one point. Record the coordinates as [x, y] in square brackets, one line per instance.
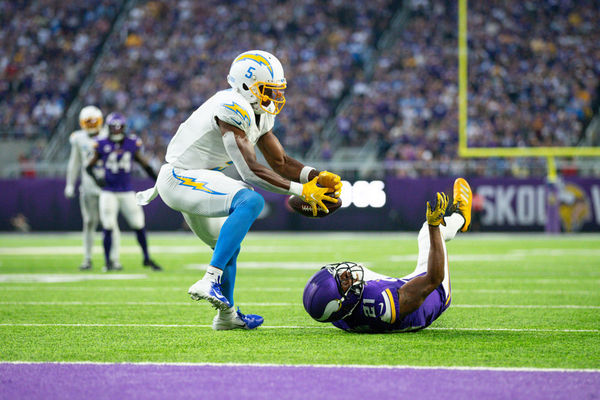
[164, 381]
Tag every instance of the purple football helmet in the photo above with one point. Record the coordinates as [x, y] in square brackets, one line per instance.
[116, 126]
[324, 298]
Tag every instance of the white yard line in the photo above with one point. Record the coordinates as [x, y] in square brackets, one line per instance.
[531, 330]
[54, 278]
[345, 366]
[269, 304]
[38, 288]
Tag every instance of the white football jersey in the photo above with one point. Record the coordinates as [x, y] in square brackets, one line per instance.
[198, 143]
[82, 150]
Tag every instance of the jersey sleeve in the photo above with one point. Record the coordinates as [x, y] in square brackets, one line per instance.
[234, 114]
[72, 139]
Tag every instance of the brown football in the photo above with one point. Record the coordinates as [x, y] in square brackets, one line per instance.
[301, 207]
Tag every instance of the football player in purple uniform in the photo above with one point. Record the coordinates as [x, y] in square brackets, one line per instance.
[117, 153]
[357, 299]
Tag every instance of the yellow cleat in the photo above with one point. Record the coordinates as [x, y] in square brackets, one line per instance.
[463, 199]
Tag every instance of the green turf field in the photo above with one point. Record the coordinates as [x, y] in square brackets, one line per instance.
[518, 301]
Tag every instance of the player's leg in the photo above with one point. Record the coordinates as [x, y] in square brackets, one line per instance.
[115, 248]
[457, 220]
[88, 203]
[109, 211]
[134, 214]
[204, 197]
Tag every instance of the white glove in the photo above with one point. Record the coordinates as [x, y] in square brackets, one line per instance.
[69, 192]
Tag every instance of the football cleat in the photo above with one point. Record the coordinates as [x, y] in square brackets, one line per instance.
[112, 266]
[153, 266]
[463, 199]
[237, 321]
[86, 266]
[210, 291]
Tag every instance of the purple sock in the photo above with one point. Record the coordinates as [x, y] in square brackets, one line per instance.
[107, 244]
[141, 238]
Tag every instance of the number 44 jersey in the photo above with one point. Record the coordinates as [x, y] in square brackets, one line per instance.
[117, 158]
[377, 311]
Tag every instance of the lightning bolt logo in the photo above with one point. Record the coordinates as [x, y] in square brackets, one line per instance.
[235, 107]
[258, 59]
[191, 182]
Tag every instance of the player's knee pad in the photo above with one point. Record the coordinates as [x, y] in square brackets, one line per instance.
[90, 224]
[249, 200]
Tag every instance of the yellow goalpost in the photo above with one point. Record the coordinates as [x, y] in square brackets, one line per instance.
[471, 152]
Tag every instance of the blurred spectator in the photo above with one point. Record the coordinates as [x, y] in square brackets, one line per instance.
[175, 54]
[46, 51]
[533, 67]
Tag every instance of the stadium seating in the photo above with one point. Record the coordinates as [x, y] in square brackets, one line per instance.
[532, 73]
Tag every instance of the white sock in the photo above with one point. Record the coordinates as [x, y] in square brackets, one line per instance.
[88, 242]
[453, 223]
[227, 314]
[213, 274]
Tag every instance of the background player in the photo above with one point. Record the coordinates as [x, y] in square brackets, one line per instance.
[82, 149]
[219, 209]
[116, 154]
[357, 299]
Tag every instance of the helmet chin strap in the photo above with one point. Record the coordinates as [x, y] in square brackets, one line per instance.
[118, 137]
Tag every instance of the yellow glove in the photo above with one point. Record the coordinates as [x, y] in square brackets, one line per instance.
[314, 195]
[331, 181]
[435, 217]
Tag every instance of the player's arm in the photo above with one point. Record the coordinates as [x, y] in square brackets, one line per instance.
[90, 169]
[145, 165]
[293, 169]
[415, 291]
[241, 151]
[73, 168]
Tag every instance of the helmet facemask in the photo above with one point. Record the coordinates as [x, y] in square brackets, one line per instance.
[350, 296]
[90, 120]
[267, 94]
[258, 76]
[116, 126]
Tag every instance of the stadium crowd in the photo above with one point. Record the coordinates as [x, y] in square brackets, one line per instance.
[46, 52]
[533, 67]
[165, 66]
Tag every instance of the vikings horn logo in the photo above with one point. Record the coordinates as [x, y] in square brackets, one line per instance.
[574, 207]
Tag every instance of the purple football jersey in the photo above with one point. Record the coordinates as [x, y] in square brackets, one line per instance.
[117, 159]
[378, 309]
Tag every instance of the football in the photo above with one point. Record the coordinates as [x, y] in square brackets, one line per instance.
[298, 205]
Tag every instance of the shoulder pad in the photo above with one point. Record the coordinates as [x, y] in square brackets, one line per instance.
[234, 113]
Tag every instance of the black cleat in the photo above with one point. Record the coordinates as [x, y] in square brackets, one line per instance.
[86, 266]
[112, 266]
[153, 266]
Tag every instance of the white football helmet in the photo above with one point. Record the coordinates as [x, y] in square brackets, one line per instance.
[91, 119]
[258, 76]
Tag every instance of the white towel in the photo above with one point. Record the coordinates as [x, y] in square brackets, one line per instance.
[146, 196]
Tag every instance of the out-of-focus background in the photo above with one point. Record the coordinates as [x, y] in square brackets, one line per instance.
[373, 95]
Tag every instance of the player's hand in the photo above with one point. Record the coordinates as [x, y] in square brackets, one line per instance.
[331, 181]
[314, 195]
[69, 192]
[100, 182]
[435, 217]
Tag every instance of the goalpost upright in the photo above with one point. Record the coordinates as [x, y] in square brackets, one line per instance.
[473, 152]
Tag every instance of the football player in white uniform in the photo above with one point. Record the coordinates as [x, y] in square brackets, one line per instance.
[220, 210]
[82, 149]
